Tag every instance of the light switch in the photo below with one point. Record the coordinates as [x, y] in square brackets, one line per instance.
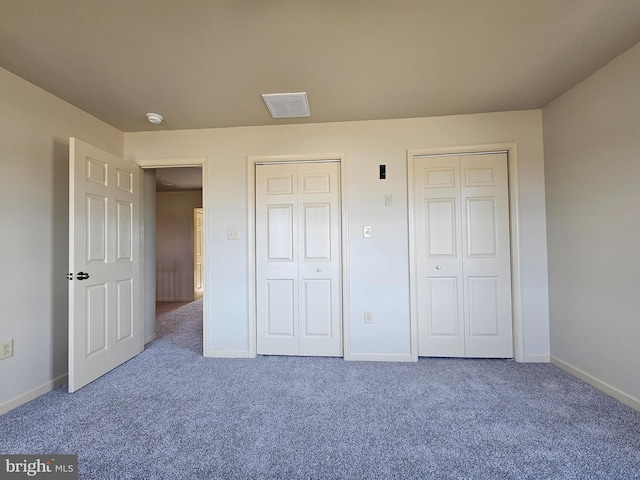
[388, 199]
[233, 233]
[366, 231]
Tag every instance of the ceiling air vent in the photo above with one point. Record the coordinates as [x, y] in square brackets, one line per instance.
[287, 105]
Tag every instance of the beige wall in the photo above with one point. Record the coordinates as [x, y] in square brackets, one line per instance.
[378, 267]
[592, 170]
[35, 128]
[174, 244]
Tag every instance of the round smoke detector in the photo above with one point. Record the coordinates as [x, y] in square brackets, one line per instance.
[154, 118]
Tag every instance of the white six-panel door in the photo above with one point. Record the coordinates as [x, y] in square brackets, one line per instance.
[463, 256]
[105, 328]
[298, 292]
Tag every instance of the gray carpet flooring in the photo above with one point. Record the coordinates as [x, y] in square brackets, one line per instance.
[170, 413]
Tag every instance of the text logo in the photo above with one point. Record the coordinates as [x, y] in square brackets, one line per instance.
[51, 467]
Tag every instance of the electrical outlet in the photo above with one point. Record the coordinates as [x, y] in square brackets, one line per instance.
[368, 317]
[6, 349]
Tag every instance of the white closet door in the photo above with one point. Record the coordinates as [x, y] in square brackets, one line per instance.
[486, 263]
[439, 253]
[298, 259]
[462, 245]
[319, 292]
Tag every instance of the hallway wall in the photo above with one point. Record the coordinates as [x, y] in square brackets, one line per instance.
[174, 244]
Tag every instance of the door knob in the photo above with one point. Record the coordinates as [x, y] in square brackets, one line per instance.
[318, 269]
[82, 276]
[438, 267]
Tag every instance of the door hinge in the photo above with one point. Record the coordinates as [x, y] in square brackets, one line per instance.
[69, 276]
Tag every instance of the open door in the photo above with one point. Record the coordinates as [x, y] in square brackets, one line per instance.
[105, 314]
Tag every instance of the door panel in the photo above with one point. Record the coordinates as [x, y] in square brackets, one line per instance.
[441, 227]
[124, 181]
[482, 306]
[96, 228]
[439, 175]
[314, 182]
[125, 309]
[95, 323]
[481, 227]
[281, 308]
[280, 233]
[105, 321]
[442, 303]
[487, 256]
[198, 253]
[463, 255]
[317, 311]
[124, 230]
[319, 263]
[297, 242]
[440, 289]
[280, 184]
[479, 176]
[317, 232]
[276, 261]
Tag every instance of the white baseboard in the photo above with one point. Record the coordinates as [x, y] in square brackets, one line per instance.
[610, 390]
[150, 338]
[32, 394]
[228, 354]
[536, 358]
[379, 357]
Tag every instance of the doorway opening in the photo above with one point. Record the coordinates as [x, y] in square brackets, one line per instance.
[174, 253]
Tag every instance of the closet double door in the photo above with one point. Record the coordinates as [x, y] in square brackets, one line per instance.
[463, 256]
[298, 275]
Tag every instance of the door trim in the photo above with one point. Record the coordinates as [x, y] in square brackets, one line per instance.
[252, 160]
[185, 162]
[511, 150]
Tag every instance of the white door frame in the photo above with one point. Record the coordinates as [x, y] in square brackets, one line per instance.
[516, 274]
[341, 158]
[184, 162]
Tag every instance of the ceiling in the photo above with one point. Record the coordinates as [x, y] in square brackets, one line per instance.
[178, 179]
[205, 63]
